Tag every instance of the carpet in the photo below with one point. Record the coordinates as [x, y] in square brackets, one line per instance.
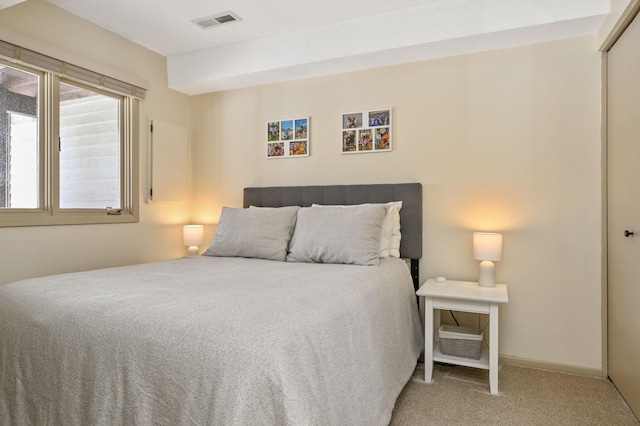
[527, 396]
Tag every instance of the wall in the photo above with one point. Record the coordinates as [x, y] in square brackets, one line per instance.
[506, 140]
[36, 251]
[618, 12]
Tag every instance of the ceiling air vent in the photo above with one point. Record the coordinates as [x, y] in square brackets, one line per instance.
[217, 20]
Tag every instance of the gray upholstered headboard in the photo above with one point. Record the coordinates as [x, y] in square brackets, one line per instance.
[409, 193]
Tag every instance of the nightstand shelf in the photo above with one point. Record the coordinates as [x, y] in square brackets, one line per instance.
[483, 362]
[465, 297]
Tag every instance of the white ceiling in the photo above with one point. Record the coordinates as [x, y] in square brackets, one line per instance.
[279, 40]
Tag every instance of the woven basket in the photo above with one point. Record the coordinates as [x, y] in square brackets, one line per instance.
[460, 341]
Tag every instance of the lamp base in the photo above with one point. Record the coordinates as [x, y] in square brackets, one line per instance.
[193, 251]
[487, 276]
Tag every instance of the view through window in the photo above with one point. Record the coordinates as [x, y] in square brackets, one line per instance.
[89, 149]
[19, 141]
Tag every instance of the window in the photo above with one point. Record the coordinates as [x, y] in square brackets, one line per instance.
[89, 149]
[67, 145]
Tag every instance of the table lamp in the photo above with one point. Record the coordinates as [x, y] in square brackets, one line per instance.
[192, 236]
[487, 247]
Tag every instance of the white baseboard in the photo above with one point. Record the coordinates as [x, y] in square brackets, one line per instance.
[545, 365]
[552, 366]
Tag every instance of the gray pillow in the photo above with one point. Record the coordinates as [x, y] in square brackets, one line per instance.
[259, 233]
[338, 235]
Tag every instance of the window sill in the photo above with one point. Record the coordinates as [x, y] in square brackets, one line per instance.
[14, 219]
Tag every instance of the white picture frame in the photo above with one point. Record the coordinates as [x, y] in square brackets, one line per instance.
[288, 138]
[367, 131]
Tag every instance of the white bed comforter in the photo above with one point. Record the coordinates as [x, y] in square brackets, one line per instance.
[209, 341]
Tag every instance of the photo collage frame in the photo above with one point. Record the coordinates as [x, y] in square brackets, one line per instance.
[367, 131]
[288, 138]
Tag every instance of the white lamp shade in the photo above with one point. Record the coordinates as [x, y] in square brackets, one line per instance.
[192, 235]
[487, 246]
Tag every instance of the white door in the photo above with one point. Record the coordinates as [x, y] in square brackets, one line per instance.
[623, 186]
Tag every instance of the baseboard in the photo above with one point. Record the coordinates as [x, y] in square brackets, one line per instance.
[545, 365]
[552, 366]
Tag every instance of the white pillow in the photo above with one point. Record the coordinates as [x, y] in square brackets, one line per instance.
[389, 233]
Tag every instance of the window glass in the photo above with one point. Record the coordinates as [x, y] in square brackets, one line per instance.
[90, 149]
[19, 141]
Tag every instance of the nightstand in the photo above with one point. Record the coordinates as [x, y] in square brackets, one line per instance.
[461, 296]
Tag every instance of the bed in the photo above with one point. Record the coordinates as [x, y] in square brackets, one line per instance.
[225, 339]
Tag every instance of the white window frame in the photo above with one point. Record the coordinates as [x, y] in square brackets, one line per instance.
[49, 212]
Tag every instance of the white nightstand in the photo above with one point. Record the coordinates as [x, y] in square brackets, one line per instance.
[464, 297]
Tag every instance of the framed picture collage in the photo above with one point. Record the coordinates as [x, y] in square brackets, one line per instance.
[288, 138]
[366, 131]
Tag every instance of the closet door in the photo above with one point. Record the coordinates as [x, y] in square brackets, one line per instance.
[623, 186]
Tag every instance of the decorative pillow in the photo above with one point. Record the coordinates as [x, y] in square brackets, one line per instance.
[338, 235]
[390, 233]
[263, 233]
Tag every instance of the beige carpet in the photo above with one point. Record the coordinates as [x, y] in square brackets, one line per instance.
[460, 396]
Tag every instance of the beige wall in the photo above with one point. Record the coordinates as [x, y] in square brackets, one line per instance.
[507, 140]
[35, 251]
[619, 10]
